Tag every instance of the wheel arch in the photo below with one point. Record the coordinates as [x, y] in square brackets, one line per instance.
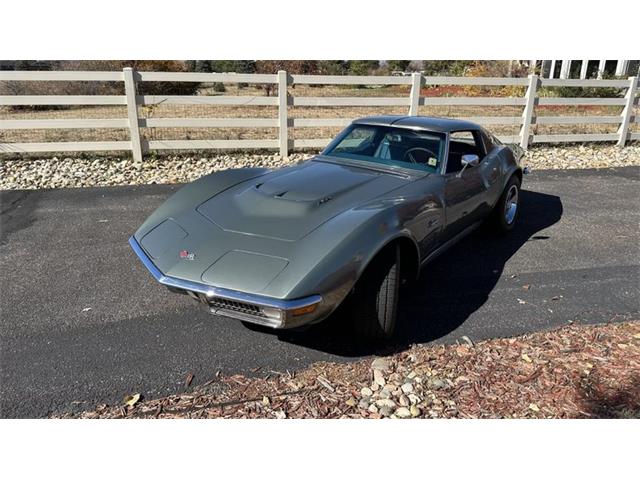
[409, 256]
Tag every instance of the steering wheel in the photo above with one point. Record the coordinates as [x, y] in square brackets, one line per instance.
[410, 151]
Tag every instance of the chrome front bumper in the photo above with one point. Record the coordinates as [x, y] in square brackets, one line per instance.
[266, 311]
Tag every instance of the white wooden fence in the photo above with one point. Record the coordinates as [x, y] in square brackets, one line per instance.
[282, 122]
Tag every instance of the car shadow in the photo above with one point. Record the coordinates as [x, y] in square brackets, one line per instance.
[448, 291]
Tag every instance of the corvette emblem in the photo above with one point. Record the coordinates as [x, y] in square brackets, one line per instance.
[186, 255]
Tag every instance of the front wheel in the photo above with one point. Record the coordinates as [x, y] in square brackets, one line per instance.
[506, 210]
[375, 297]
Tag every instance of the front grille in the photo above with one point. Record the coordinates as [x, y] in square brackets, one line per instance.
[233, 306]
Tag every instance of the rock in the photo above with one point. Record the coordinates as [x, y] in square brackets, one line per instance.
[363, 404]
[437, 383]
[385, 393]
[403, 412]
[415, 411]
[385, 402]
[373, 409]
[366, 392]
[378, 378]
[407, 388]
[404, 401]
[385, 411]
[380, 364]
[414, 399]
[351, 402]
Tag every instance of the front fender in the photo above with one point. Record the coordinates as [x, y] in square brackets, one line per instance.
[347, 244]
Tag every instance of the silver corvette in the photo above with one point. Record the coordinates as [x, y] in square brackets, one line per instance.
[284, 248]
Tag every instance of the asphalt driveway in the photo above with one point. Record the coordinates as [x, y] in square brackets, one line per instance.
[82, 321]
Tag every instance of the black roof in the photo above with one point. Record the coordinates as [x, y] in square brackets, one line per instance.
[436, 124]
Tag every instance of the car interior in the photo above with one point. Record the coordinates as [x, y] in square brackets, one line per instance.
[463, 143]
[394, 146]
[408, 148]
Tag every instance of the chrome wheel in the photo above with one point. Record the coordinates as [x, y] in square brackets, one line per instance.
[511, 204]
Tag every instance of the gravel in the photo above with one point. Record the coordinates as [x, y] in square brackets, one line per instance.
[104, 171]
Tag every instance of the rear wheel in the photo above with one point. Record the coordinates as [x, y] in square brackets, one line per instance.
[375, 298]
[506, 210]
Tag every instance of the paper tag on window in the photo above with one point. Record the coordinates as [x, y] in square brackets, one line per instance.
[432, 162]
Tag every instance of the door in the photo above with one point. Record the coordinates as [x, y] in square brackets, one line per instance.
[466, 192]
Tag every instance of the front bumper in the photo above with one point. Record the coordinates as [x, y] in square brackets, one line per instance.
[258, 309]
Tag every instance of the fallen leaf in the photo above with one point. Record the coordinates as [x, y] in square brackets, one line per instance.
[521, 302]
[534, 407]
[131, 400]
[637, 335]
[188, 380]
[557, 297]
[86, 309]
[266, 401]
[467, 340]
[526, 358]
[526, 287]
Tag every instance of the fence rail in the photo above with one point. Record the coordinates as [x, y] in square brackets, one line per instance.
[137, 145]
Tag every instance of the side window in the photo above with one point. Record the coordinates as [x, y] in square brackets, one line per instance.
[464, 142]
[488, 142]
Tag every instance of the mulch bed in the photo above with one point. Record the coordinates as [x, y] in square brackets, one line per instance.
[573, 372]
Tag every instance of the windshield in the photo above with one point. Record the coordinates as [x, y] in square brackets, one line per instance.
[393, 146]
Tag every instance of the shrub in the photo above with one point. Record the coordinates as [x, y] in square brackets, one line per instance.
[585, 92]
[445, 67]
[495, 69]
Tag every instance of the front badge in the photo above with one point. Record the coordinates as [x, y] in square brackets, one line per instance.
[186, 255]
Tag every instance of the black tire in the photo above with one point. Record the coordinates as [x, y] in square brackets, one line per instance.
[503, 219]
[374, 302]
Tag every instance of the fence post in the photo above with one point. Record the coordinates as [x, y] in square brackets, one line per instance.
[529, 110]
[132, 112]
[283, 101]
[414, 99]
[625, 116]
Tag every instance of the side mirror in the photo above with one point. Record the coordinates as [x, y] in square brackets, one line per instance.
[470, 160]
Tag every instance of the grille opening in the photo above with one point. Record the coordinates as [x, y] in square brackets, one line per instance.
[231, 305]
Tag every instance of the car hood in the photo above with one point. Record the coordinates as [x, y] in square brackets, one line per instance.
[290, 203]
